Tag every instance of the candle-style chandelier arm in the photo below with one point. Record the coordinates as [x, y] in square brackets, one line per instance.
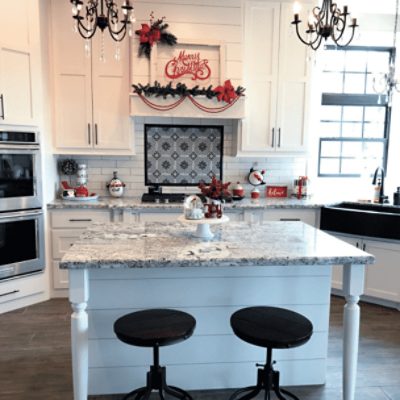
[113, 18]
[90, 18]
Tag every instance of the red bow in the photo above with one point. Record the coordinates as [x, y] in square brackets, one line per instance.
[149, 34]
[226, 93]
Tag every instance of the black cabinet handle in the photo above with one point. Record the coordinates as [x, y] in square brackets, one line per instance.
[2, 116]
[279, 137]
[364, 246]
[80, 220]
[89, 133]
[290, 219]
[273, 137]
[9, 293]
[95, 133]
[357, 245]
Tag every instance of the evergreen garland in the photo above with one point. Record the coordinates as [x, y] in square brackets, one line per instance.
[181, 90]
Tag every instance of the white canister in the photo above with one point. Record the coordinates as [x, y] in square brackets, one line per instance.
[82, 175]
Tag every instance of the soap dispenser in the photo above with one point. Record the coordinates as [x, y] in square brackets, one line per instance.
[396, 197]
[377, 190]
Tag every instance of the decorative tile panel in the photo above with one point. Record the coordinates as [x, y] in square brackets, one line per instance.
[182, 155]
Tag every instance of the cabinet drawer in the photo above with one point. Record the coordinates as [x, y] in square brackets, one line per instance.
[63, 239]
[14, 289]
[306, 216]
[78, 218]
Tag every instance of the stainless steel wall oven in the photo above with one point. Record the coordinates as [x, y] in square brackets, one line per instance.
[21, 243]
[21, 216]
[20, 178]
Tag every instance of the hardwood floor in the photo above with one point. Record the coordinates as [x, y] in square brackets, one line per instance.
[35, 358]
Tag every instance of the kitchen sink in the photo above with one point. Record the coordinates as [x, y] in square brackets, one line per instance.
[373, 220]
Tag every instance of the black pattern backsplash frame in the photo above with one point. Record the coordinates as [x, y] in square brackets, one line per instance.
[182, 155]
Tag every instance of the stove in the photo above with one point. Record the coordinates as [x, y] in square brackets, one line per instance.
[164, 197]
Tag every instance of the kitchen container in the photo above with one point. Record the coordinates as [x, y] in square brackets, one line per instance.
[396, 197]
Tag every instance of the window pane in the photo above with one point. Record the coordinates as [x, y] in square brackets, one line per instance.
[330, 129]
[353, 114]
[330, 149]
[375, 114]
[354, 83]
[331, 113]
[373, 150]
[356, 61]
[350, 129]
[333, 60]
[329, 166]
[333, 82]
[351, 167]
[352, 149]
[378, 62]
[374, 130]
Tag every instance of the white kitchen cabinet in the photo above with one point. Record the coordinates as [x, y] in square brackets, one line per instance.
[276, 77]
[382, 278]
[19, 52]
[91, 96]
[66, 227]
[22, 292]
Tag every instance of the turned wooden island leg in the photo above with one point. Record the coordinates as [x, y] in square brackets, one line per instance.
[78, 297]
[353, 287]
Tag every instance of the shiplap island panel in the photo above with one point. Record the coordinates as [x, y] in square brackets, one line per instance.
[117, 268]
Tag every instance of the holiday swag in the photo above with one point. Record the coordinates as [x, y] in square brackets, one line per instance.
[154, 33]
[184, 64]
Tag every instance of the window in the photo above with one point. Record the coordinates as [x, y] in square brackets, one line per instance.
[354, 120]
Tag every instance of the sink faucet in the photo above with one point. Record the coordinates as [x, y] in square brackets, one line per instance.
[382, 197]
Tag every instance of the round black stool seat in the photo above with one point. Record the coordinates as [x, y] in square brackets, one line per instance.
[272, 327]
[154, 327]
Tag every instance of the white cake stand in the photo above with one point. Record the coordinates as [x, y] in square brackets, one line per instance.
[203, 230]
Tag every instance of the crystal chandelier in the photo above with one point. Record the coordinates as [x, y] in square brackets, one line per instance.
[327, 21]
[89, 15]
[388, 82]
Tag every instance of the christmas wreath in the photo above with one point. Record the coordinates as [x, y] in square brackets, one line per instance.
[155, 32]
[226, 93]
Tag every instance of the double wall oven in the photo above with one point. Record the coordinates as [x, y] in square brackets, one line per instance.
[21, 214]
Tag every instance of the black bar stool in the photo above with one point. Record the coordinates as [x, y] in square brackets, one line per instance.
[155, 328]
[272, 328]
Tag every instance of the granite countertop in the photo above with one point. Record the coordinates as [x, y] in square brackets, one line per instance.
[136, 203]
[152, 244]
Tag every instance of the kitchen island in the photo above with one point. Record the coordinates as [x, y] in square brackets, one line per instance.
[117, 268]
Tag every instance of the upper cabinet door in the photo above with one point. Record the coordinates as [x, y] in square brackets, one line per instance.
[293, 91]
[72, 82]
[111, 94]
[18, 29]
[261, 52]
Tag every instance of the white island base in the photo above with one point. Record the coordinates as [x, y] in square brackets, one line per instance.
[213, 357]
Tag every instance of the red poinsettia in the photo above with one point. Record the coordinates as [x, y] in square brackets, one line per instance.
[216, 189]
[226, 93]
[149, 34]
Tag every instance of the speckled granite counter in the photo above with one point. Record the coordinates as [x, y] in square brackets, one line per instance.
[135, 203]
[172, 244]
[115, 269]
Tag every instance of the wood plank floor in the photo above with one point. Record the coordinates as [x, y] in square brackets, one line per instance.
[35, 358]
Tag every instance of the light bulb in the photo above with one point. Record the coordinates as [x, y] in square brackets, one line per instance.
[296, 7]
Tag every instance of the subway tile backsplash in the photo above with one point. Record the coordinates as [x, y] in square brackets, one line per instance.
[280, 170]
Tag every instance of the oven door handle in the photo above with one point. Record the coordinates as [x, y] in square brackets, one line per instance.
[20, 214]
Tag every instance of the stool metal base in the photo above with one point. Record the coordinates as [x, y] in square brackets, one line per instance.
[156, 381]
[267, 380]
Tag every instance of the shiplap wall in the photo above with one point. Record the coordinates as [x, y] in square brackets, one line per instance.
[216, 20]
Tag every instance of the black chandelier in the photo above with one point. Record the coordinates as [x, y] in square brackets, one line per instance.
[103, 14]
[327, 21]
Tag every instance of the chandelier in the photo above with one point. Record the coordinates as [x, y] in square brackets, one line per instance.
[102, 14]
[386, 83]
[327, 21]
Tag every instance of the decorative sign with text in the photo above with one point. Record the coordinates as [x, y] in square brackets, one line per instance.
[276, 191]
[188, 64]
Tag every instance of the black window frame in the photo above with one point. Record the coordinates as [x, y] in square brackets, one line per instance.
[358, 100]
